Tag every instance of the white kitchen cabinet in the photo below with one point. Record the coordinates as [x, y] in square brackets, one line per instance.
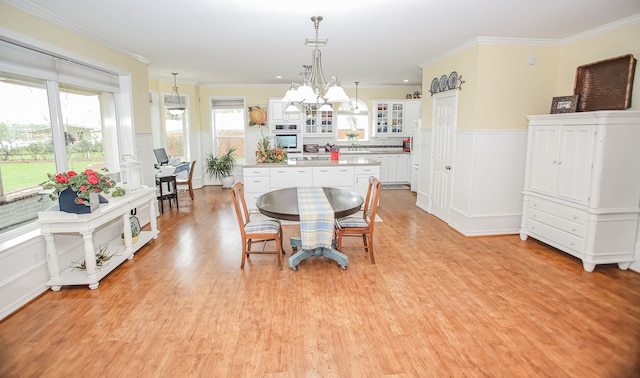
[412, 113]
[334, 177]
[318, 123]
[362, 178]
[276, 114]
[286, 177]
[256, 181]
[388, 117]
[399, 168]
[582, 187]
[383, 159]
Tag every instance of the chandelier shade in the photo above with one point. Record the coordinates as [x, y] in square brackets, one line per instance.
[315, 90]
[175, 107]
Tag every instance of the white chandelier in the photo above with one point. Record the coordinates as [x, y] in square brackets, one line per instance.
[315, 90]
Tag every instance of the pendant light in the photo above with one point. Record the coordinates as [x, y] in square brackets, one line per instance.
[175, 106]
[356, 110]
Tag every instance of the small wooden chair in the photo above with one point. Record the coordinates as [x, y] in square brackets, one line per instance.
[356, 226]
[187, 182]
[255, 231]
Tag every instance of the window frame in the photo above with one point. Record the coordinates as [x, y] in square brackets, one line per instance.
[120, 83]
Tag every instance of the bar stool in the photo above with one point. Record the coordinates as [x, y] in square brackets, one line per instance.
[172, 191]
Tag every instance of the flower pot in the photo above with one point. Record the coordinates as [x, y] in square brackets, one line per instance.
[134, 240]
[67, 202]
[227, 181]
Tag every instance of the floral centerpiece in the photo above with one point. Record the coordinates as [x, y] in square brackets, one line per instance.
[82, 184]
[266, 154]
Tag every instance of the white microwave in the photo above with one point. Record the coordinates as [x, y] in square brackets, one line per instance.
[287, 128]
[292, 142]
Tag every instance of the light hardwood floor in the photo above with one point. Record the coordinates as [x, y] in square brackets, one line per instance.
[435, 304]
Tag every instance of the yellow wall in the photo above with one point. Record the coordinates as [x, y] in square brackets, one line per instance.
[501, 87]
[35, 28]
[610, 45]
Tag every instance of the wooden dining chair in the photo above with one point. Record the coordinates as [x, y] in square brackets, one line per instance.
[188, 181]
[361, 226]
[255, 231]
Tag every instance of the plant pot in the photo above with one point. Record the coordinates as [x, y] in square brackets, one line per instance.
[227, 181]
[66, 202]
[134, 240]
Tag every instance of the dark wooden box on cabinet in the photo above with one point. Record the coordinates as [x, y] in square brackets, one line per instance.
[605, 85]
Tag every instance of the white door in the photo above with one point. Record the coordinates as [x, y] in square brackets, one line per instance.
[444, 125]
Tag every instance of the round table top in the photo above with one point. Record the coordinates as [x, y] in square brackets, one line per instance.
[283, 203]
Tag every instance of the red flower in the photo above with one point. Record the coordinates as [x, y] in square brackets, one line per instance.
[83, 188]
[71, 173]
[80, 200]
[97, 190]
[93, 179]
[62, 178]
[89, 172]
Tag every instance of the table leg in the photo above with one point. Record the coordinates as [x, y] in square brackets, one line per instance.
[153, 218]
[304, 254]
[52, 262]
[90, 259]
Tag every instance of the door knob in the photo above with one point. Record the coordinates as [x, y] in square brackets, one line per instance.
[448, 167]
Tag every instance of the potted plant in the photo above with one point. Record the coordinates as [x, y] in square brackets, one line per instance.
[221, 167]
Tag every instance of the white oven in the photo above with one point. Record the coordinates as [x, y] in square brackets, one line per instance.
[288, 136]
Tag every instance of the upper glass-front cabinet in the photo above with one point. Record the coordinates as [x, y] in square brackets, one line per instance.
[318, 122]
[388, 117]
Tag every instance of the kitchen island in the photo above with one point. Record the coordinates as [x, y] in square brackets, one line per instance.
[349, 172]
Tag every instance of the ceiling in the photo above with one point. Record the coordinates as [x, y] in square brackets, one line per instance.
[375, 42]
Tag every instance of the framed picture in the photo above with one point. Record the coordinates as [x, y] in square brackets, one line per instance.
[257, 116]
[564, 104]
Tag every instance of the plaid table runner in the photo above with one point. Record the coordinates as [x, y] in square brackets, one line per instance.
[316, 218]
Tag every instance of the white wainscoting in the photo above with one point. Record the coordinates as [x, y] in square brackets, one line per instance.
[488, 182]
[488, 179]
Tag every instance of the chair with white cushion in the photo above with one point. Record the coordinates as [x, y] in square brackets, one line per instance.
[263, 230]
[361, 226]
[188, 181]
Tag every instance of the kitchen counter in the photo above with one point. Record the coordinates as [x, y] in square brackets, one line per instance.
[316, 160]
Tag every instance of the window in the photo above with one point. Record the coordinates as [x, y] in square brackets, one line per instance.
[350, 122]
[176, 130]
[55, 115]
[227, 122]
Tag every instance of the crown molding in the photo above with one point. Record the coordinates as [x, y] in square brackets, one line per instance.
[36, 11]
[478, 41]
[604, 29]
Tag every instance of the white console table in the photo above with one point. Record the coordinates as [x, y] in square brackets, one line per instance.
[53, 221]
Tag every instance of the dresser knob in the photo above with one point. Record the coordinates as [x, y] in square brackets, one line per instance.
[573, 228]
[570, 243]
[575, 217]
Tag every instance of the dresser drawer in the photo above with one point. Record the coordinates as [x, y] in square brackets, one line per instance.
[565, 241]
[564, 212]
[368, 170]
[255, 171]
[557, 222]
[257, 184]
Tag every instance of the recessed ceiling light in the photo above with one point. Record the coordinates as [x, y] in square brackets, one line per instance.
[278, 77]
[405, 81]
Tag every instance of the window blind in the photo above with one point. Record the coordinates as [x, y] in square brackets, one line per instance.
[27, 61]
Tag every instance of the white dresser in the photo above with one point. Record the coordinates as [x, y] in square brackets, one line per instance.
[582, 184]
